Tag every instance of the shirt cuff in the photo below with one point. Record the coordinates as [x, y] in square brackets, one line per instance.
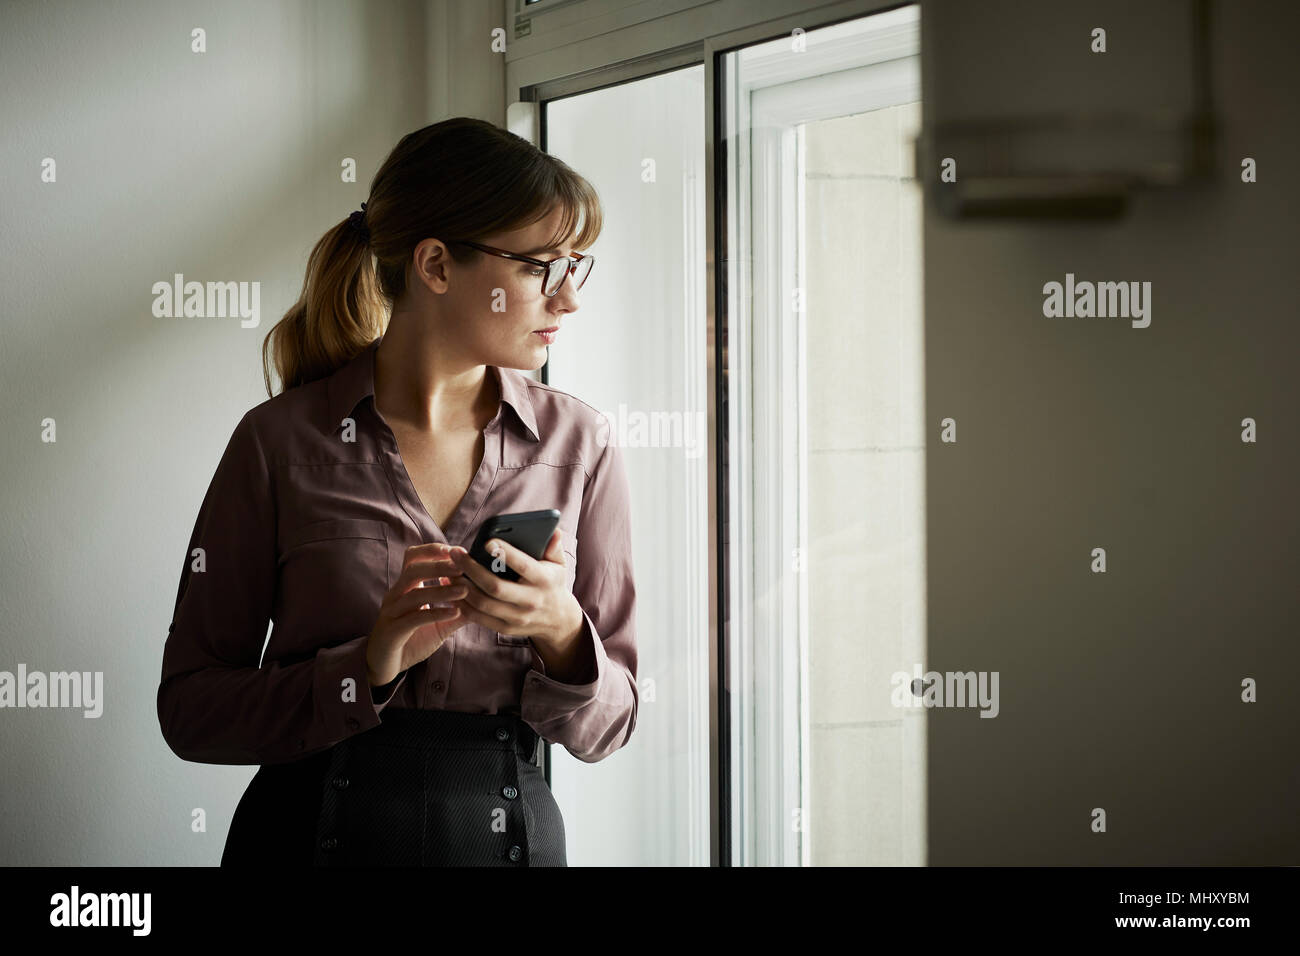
[343, 711]
[381, 697]
[593, 653]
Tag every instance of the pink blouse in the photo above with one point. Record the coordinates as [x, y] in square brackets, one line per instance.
[305, 525]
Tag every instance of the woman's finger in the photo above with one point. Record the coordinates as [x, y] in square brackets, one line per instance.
[478, 617]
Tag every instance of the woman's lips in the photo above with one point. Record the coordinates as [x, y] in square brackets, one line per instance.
[547, 337]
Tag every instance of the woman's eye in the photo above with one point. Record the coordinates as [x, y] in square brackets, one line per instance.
[535, 272]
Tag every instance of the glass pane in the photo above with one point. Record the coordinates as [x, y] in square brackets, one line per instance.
[827, 446]
[635, 350]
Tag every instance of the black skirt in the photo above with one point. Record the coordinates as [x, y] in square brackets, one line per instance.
[425, 788]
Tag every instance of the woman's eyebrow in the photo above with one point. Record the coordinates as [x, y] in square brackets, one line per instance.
[533, 252]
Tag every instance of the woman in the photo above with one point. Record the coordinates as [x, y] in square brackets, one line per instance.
[397, 708]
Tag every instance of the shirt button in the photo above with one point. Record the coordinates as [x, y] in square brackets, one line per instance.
[516, 853]
[329, 843]
[437, 685]
[509, 792]
[503, 733]
[353, 723]
[340, 783]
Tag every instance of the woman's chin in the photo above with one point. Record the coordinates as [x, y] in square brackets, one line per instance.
[530, 361]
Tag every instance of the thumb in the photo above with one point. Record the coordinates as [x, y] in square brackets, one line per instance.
[555, 547]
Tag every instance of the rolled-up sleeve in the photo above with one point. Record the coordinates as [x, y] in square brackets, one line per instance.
[215, 703]
[594, 719]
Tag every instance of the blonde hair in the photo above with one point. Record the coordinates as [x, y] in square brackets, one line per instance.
[462, 178]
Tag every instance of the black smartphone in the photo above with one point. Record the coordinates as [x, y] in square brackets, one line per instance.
[529, 531]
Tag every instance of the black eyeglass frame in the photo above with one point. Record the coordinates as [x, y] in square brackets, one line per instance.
[574, 260]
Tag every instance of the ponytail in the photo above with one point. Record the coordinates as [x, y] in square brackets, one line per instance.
[339, 312]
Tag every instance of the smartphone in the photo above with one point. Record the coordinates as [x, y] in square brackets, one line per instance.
[529, 531]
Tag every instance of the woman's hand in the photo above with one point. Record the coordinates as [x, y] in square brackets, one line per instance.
[539, 605]
[411, 626]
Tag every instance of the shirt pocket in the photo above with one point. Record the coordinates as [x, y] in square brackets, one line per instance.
[569, 543]
[333, 575]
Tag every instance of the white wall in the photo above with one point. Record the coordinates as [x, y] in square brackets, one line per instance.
[1120, 691]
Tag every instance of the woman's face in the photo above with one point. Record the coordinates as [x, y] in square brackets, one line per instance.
[497, 304]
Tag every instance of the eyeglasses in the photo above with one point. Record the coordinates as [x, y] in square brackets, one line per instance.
[555, 270]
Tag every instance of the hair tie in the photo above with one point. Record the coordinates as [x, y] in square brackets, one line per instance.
[358, 222]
